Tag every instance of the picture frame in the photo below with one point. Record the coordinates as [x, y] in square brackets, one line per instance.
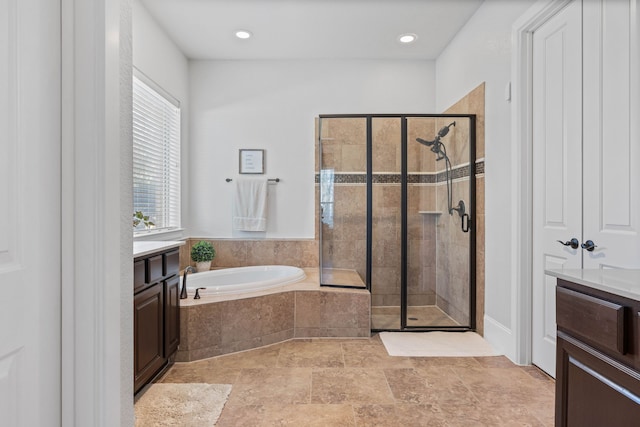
[251, 161]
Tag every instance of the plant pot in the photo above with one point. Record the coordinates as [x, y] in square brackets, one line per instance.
[203, 266]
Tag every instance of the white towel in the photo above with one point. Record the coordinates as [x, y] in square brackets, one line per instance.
[250, 204]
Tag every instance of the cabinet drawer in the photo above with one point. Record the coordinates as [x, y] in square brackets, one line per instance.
[139, 275]
[171, 263]
[155, 269]
[590, 318]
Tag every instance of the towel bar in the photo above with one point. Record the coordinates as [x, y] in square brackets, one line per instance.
[270, 179]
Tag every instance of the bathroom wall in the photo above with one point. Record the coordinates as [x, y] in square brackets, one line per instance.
[481, 52]
[157, 56]
[272, 105]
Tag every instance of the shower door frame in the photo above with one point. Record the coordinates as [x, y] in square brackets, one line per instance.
[404, 213]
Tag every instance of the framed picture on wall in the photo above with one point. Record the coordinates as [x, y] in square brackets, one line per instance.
[251, 161]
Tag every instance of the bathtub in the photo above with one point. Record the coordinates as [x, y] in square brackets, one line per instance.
[243, 279]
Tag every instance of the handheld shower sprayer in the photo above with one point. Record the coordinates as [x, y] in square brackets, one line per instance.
[441, 152]
[436, 145]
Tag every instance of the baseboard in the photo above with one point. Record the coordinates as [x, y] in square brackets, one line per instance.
[500, 337]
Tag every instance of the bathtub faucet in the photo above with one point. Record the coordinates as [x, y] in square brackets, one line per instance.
[183, 292]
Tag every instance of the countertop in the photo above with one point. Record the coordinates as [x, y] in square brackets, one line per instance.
[146, 247]
[625, 283]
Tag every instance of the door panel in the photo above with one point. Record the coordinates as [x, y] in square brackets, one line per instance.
[30, 212]
[557, 176]
[611, 149]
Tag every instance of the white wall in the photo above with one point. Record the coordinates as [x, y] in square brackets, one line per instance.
[481, 51]
[272, 105]
[157, 56]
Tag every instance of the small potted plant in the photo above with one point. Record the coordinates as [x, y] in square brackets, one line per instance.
[202, 254]
[139, 219]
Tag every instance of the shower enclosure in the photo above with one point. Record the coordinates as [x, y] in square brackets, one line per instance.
[396, 197]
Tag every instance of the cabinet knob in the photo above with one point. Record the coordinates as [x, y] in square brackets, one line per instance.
[574, 243]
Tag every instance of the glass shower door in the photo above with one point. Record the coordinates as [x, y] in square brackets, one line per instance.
[440, 286]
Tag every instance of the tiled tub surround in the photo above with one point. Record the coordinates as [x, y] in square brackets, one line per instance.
[216, 325]
[301, 253]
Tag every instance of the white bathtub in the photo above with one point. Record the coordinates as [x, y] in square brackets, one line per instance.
[242, 279]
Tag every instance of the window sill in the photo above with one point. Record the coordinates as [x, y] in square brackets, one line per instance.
[171, 234]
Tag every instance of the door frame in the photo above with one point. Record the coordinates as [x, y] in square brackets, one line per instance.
[522, 171]
[96, 181]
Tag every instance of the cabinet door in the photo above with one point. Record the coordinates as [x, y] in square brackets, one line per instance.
[148, 317]
[172, 315]
[592, 389]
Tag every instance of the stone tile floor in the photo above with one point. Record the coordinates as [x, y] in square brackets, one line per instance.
[353, 382]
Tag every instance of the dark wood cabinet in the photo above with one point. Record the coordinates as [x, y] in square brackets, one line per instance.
[148, 334]
[156, 308]
[597, 373]
[171, 315]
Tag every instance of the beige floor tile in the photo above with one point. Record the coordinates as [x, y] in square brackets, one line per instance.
[404, 415]
[271, 385]
[349, 385]
[200, 372]
[288, 415]
[362, 355]
[302, 383]
[304, 354]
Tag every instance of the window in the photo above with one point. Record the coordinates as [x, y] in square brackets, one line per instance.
[156, 155]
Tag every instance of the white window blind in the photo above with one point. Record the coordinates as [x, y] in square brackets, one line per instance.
[156, 154]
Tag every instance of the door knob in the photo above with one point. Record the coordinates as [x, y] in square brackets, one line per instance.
[589, 245]
[574, 243]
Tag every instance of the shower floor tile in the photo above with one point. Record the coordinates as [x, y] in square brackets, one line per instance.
[428, 315]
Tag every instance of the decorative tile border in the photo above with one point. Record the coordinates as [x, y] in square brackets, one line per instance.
[394, 178]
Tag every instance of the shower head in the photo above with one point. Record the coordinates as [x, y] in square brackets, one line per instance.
[441, 134]
[445, 130]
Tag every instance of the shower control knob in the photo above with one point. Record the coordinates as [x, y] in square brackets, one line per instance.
[589, 245]
[574, 243]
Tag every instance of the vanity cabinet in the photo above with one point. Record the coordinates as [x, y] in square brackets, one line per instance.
[597, 357]
[156, 313]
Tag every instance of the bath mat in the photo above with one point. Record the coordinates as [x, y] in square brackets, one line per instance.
[189, 404]
[436, 344]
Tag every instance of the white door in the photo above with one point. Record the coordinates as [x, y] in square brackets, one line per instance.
[29, 213]
[557, 168]
[611, 142]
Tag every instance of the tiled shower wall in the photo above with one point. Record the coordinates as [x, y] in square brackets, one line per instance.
[452, 250]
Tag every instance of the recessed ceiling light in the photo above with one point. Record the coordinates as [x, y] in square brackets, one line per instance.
[243, 34]
[407, 38]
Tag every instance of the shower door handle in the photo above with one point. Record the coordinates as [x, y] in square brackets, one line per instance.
[465, 225]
